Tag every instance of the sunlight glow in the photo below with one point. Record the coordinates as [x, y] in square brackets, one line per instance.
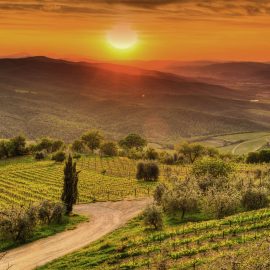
[122, 37]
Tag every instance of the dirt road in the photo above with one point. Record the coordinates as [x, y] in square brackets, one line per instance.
[104, 218]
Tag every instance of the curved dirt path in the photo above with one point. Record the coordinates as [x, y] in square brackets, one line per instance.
[104, 218]
[251, 141]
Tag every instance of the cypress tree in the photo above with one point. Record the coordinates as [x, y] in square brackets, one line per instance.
[70, 188]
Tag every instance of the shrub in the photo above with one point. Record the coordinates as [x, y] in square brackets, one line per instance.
[45, 144]
[135, 154]
[147, 171]
[255, 198]
[57, 145]
[77, 146]
[18, 224]
[253, 157]
[59, 157]
[221, 203]
[4, 151]
[50, 212]
[39, 156]
[151, 154]
[153, 217]
[212, 167]
[16, 146]
[159, 192]
[109, 149]
[259, 157]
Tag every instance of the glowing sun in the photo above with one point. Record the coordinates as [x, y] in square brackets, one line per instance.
[122, 37]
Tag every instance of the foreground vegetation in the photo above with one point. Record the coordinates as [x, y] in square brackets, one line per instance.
[209, 207]
[43, 231]
[180, 245]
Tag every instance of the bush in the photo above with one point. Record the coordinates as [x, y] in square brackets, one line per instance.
[253, 157]
[77, 146]
[57, 145]
[212, 167]
[221, 203]
[44, 144]
[39, 156]
[159, 192]
[259, 157]
[4, 151]
[59, 157]
[18, 224]
[135, 154]
[151, 154]
[255, 198]
[109, 149]
[153, 217]
[50, 212]
[147, 171]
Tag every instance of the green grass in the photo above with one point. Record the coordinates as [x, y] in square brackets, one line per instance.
[239, 143]
[180, 244]
[43, 231]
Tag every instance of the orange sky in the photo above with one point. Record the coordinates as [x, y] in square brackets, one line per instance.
[167, 30]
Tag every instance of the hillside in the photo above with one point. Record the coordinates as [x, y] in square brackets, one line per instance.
[240, 71]
[47, 97]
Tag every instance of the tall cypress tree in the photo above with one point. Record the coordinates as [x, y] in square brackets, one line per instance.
[70, 189]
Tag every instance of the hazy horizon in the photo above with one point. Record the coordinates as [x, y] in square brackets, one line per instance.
[188, 30]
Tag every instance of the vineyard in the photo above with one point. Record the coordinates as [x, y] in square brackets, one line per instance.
[186, 246]
[25, 180]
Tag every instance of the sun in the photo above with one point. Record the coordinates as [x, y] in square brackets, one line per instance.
[122, 37]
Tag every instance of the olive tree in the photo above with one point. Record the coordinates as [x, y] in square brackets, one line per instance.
[191, 151]
[182, 197]
[152, 216]
[50, 212]
[18, 224]
[220, 203]
[159, 192]
[255, 198]
[133, 141]
[109, 149]
[92, 139]
[212, 167]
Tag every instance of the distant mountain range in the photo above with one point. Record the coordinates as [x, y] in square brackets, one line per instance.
[236, 71]
[40, 96]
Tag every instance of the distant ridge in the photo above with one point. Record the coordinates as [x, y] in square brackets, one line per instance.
[41, 96]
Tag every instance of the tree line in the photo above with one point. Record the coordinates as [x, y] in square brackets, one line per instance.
[210, 189]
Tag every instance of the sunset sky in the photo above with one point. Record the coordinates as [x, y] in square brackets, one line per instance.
[142, 29]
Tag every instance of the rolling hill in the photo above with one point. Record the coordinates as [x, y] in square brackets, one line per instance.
[240, 71]
[40, 96]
